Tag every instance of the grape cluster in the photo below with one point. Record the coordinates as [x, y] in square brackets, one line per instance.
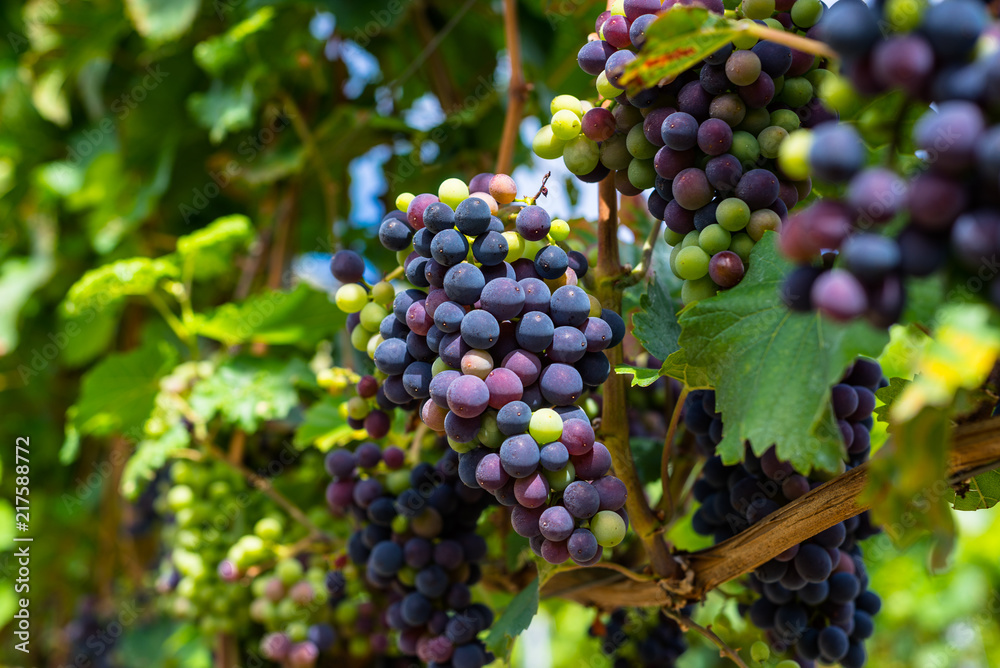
[638, 638]
[497, 342]
[949, 202]
[814, 597]
[418, 546]
[706, 143]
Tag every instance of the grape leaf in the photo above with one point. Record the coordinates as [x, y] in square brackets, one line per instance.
[676, 366]
[641, 376]
[655, 324]
[301, 317]
[101, 287]
[217, 53]
[248, 390]
[209, 251]
[888, 396]
[162, 20]
[223, 109]
[676, 41]
[325, 427]
[119, 393]
[983, 492]
[515, 619]
[772, 369]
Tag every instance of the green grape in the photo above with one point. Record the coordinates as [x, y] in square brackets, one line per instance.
[605, 89]
[253, 547]
[358, 647]
[755, 121]
[770, 140]
[359, 338]
[608, 528]
[695, 291]
[566, 102]
[372, 315]
[788, 663]
[714, 239]
[638, 145]
[673, 258]
[793, 156]
[219, 489]
[268, 529]
[581, 155]
[591, 408]
[785, 118]
[297, 631]
[618, 7]
[817, 76]
[462, 447]
[560, 480]
[546, 145]
[372, 345]
[774, 23]
[692, 263]
[346, 613]
[690, 239]
[672, 238]
[180, 496]
[733, 214]
[407, 576]
[438, 366]
[397, 481]
[760, 652]
[838, 94]
[401, 256]
[806, 13]
[559, 231]
[489, 433]
[642, 174]
[758, 9]
[742, 244]
[286, 609]
[566, 125]
[614, 152]
[453, 191]
[779, 85]
[796, 92]
[383, 293]
[351, 298]
[400, 523]
[905, 15]
[745, 147]
[403, 201]
[761, 221]
[744, 40]
[515, 246]
[545, 426]
[288, 571]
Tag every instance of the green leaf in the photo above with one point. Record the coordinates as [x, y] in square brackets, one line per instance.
[676, 41]
[247, 391]
[983, 492]
[641, 377]
[223, 109]
[118, 394]
[772, 369]
[217, 53]
[655, 325]
[302, 317]
[514, 620]
[162, 20]
[100, 287]
[325, 427]
[888, 396]
[693, 377]
[150, 455]
[209, 251]
[19, 278]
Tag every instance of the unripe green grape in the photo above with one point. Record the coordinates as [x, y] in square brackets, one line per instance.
[560, 480]
[489, 433]
[672, 238]
[595, 306]
[591, 408]
[690, 239]
[383, 293]
[559, 231]
[614, 152]
[905, 15]
[744, 40]
[407, 576]
[461, 448]
[817, 76]
[438, 366]
[745, 147]
[546, 145]
[761, 221]
[400, 523]
[642, 174]
[758, 9]
[797, 92]
[770, 139]
[774, 23]
[453, 191]
[286, 610]
[254, 547]
[372, 345]
[545, 426]
[397, 481]
[788, 663]
[581, 155]
[566, 125]
[401, 256]
[806, 13]
[180, 496]
[695, 291]
[785, 118]
[733, 214]
[358, 647]
[268, 529]
[346, 613]
[357, 408]
[838, 94]
[566, 102]
[793, 156]
[403, 201]
[288, 571]
[360, 337]
[638, 145]
[608, 528]
[219, 489]
[605, 89]
[673, 258]
[755, 121]
[351, 298]
[515, 246]
[742, 244]
[618, 8]
[692, 263]
[714, 239]
[760, 652]
[371, 316]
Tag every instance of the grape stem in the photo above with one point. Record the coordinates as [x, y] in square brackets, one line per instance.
[418, 436]
[227, 651]
[542, 190]
[517, 91]
[688, 624]
[614, 419]
[668, 444]
[642, 269]
[791, 40]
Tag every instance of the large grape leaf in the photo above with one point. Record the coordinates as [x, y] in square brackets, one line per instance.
[888, 396]
[100, 287]
[515, 619]
[655, 323]
[983, 492]
[772, 369]
[208, 252]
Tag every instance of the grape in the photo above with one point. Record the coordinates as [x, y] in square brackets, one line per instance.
[714, 137]
[668, 163]
[839, 295]
[728, 108]
[347, 266]
[519, 456]
[679, 131]
[569, 305]
[534, 331]
[870, 257]
[953, 29]
[714, 239]
[386, 558]
[594, 369]
[490, 249]
[692, 190]
[467, 396]
[464, 283]
[598, 124]
[691, 263]
[546, 426]
[581, 500]
[732, 214]
[560, 384]
[392, 357]
[551, 262]
[472, 217]
[876, 195]
[568, 345]
[533, 223]
[726, 269]
[582, 546]
[554, 456]
[480, 329]
[593, 463]
[415, 210]
[545, 145]
[836, 153]
[504, 387]
[758, 188]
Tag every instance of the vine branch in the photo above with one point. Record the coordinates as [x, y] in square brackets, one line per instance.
[688, 624]
[517, 92]
[668, 446]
